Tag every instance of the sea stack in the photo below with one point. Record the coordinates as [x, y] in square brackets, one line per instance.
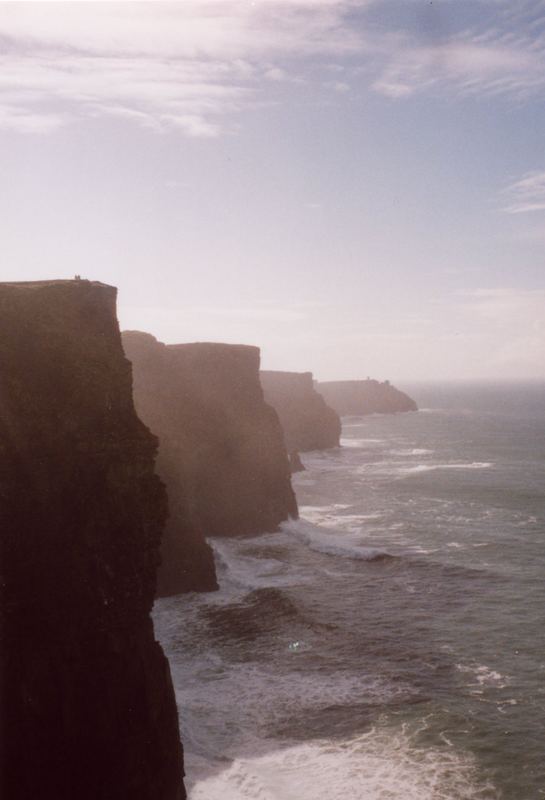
[221, 453]
[308, 422]
[88, 709]
[365, 397]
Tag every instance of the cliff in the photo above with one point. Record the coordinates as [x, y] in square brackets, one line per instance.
[88, 708]
[221, 450]
[365, 397]
[308, 422]
[187, 561]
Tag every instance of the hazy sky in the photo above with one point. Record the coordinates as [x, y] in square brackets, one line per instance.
[358, 187]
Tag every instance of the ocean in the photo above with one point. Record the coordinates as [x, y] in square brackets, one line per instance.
[389, 645]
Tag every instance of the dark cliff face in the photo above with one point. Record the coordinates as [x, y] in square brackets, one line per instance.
[221, 451]
[187, 561]
[365, 397]
[88, 708]
[308, 422]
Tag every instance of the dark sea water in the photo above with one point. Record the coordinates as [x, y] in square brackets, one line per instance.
[391, 644]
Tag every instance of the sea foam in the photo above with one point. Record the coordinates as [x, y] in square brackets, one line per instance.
[353, 442]
[252, 572]
[432, 467]
[334, 542]
[378, 765]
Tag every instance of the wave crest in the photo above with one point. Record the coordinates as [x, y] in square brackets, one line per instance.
[335, 543]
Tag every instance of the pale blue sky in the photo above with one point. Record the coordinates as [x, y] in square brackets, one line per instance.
[356, 187]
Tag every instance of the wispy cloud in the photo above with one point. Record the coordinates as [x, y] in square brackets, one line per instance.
[151, 92]
[338, 86]
[17, 118]
[526, 194]
[192, 65]
[490, 62]
[502, 51]
[160, 65]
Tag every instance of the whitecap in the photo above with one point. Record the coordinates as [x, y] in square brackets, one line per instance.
[252, 572]
[360, 442]
[432, 467]
[415, 451]
[333, 515]
[334, 542]
[323, 509]
[378, 765]
[228, 707]
[447, 411]
[484, 676]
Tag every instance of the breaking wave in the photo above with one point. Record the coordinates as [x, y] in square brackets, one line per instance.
[432, 467]
[334, 543]
[378, 765]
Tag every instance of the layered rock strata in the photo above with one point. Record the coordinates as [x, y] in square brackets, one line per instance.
[365, 397]
[221, 451]
[87, 704]
[308, 422]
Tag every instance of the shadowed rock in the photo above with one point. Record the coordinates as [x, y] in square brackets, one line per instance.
[365, 397]
[87, 704]
[307, 421]
[296, 465]
[221, 450]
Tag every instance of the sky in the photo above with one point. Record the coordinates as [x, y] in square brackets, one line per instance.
[355, 186]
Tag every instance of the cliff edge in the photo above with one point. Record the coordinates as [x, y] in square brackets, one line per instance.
[88, 708]
[365, 397]
[221, 450]
[308, 422]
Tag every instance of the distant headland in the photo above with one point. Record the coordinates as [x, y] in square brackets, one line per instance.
[365, 397]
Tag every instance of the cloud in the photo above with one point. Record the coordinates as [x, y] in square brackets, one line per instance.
[526, 194]
[185, 65]
[194, 29]
[152, 92]
[501, 53]
[275, 74]
[19, 119]
[190, 66]
[338, 86]
[469, 64]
